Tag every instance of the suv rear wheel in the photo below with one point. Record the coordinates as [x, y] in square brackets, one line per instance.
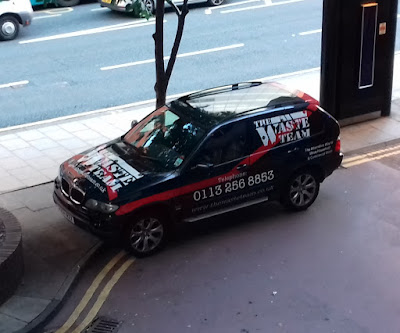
[149, 5]
[145, 235]
[9, 28]
[301, 190]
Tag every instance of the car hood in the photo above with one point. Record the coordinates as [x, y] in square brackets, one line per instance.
[110, 173]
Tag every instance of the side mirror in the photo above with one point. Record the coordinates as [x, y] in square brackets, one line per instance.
[134, 123]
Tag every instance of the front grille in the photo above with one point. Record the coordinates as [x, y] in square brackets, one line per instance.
[65, 187]
[77, 195]
[72, 191]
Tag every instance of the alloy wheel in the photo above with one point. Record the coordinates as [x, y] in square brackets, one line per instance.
[8, 28]
[303, 190]
[149, 5]
[215, 2]
[146, 235]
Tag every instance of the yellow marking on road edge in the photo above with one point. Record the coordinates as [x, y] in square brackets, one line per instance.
[89, 293]
[365, 160]
[103, 296]
[371, 154]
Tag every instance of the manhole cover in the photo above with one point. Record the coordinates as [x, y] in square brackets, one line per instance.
[103, 325]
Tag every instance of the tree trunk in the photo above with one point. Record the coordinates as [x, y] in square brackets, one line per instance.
[177, 41]
[160, 86]
[162, 75]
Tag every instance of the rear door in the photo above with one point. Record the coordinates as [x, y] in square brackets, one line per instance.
[278, 142]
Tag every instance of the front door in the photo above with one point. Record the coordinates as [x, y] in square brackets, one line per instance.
[216, 175]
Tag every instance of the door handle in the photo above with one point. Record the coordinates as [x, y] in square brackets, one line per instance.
[293, 150]
[241, 167]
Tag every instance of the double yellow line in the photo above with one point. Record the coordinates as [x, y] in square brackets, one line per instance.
[376, 155]
[102, 296]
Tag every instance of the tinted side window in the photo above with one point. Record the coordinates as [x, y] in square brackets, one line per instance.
[225, 144]
[317, 122]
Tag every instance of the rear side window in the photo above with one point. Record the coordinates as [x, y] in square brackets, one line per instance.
[271, 130]
[317, 122]
[226, 144]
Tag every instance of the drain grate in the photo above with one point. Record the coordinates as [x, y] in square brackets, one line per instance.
[103, 325]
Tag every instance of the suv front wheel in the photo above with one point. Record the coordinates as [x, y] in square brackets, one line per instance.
[301, 190]
[9, 28]
[145, 235]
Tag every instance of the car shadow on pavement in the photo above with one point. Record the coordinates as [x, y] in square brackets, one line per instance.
[183, 234]
[242, 218]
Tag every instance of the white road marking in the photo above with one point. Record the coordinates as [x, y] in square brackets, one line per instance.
[260, 6]
[14, 84]
[148, 61]
[47, 16]
[210, 9]
[316, 31]
[97, 9]
[91, 31]
[58, 10]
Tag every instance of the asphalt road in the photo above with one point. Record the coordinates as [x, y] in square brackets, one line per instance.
[64, 53]
[332, 268]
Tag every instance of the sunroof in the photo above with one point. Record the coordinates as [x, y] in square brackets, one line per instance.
[240, 98]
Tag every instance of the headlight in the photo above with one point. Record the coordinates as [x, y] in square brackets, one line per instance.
[57, 180]
[101, 206]
[60, 172]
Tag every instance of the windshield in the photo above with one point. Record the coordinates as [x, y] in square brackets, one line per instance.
[165, 138]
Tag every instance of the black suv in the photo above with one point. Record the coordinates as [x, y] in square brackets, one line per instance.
[203, 154]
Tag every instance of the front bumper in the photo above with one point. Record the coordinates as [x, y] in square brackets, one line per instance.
[26, 18]
[103, 225]
[120, 7]
[333, 164]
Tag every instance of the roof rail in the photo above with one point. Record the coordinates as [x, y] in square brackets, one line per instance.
[220, 89]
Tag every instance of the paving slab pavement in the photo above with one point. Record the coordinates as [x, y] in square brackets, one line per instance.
[54, 250]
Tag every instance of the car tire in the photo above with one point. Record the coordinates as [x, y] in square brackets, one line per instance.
[215, 2]
[301, 190]
[145, 235]
[68, 3]
[9, 28]
[149, 6]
